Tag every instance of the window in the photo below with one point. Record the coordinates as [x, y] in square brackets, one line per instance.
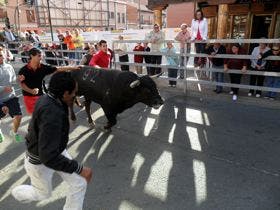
[123, 18]
[142, 19]
[239, 26]
[112, 15]
[30, 15]
[277, 27]
[119, 17]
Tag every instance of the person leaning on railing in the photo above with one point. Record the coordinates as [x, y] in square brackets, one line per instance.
[183, 36]
[217, 63]
[273, 66]
[235, 63]
[258, 65]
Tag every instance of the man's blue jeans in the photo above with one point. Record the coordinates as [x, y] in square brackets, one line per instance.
[273, 82]
[219, 77]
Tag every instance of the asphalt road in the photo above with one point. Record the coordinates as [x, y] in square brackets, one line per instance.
[190, 154]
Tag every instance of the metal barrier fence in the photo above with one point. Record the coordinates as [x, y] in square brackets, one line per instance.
[185, 68]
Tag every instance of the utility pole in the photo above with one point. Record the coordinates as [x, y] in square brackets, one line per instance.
[50, 21]
[18, 29]
[139, 13]
[108, 14]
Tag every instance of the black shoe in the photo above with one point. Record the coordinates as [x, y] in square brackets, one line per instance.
[218, 91]
[215, 91]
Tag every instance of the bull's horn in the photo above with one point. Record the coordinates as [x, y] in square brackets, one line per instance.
[135, 83]
[156, 75]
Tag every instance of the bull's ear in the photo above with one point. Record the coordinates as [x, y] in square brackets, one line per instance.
[135, 83]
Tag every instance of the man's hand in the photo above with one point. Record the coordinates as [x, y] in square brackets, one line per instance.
[225, 68]
[244, 70]
[35, 91]
[8, 89]
[86, 173]
[5, 110]
[21, 78]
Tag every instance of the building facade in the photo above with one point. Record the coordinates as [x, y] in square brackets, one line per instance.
[85, 14]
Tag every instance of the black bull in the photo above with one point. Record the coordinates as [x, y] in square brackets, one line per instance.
[115, 91]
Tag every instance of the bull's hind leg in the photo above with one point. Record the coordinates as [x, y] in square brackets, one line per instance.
[72, 114]
[87, 107]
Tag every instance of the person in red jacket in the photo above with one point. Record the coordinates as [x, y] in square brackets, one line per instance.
[235, 64]
[138, 58]
[102, 58]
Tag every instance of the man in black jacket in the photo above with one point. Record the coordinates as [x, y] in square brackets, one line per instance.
[46, 142]
[217, 63]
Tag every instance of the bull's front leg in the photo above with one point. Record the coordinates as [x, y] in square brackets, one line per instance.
[87, 107]
[111, 120]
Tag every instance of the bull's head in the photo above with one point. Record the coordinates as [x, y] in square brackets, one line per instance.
[147, 92]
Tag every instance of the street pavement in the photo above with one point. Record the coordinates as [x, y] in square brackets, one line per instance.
[195, 152]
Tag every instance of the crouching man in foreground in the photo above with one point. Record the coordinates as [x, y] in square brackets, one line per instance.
[46, 142]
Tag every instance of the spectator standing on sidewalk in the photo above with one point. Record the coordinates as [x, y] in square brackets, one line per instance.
[138, 58]
[147, 58]
[237, 64]
[156, 37]
[199, 32]
[217, 63]
[68, 40]
[273, 66]
[78, 40]
[183, 37]
[121, 48]
[46, 140]
[172, 60]
[258, 65]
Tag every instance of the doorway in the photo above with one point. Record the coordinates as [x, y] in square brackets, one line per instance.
[261, 25]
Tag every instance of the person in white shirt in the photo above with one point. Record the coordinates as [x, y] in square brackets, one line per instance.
[121, 49]
[199, 32]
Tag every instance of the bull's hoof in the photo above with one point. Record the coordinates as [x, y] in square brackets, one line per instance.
[108, 126]
[92, 125]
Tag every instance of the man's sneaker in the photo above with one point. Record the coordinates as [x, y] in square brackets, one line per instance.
[1, 137]
[234, 97]
[258, 95]
[16, 136]
[231, 92]
[271, 98]
[249, 94]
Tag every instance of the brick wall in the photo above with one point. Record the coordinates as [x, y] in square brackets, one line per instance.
[179, 13]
